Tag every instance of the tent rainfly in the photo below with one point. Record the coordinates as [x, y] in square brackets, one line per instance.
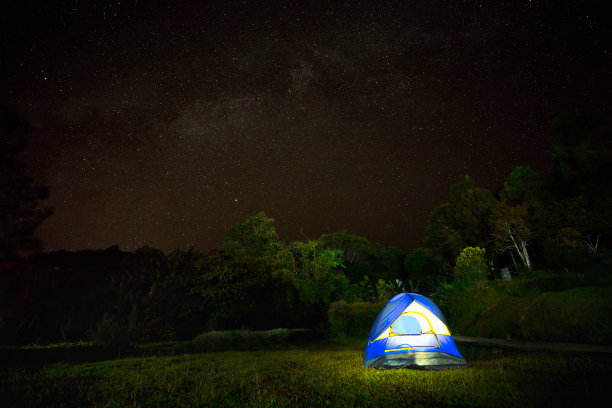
[411, 332]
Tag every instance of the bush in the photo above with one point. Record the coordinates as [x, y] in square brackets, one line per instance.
[153, 328]
[352, 319]
[460, 303]
[110, 331]
[248, 340]
[471, 266]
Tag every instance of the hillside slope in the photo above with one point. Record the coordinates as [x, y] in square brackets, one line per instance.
[528, 311]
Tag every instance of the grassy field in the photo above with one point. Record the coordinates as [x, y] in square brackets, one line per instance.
[317, 375]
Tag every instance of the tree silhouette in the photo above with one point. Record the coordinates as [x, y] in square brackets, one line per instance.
[20, 214]
[522, 185]
[255, 236]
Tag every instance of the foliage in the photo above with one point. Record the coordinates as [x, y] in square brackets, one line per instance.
[110, 331]
[425, 268]
[258, 283]
[255, 293]
[556, 316]
[511, 231]
[442, 237]
[318, 278]
[471, 211]
[466, 184]
[355, 249]
[361, 258]
[522, 185]
[582, 159]
[353, 319]
[385, 290]
[461, 301]
[542, 310]
[471, 265]
[173, 304]
[464, 221]
[255, 236]
[249, 340]
[561, 220]
[569, 212]
[565, 249]
[387, 262]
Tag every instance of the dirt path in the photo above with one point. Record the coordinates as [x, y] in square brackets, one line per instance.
[535, 344]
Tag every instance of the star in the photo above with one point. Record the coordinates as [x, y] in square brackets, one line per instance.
[148, 125]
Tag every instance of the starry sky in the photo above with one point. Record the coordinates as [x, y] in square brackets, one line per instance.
[165, 123]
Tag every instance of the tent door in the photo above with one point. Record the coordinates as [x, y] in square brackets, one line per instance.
[411, 330]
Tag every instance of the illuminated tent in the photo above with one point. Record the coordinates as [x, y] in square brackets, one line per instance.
[411, 332]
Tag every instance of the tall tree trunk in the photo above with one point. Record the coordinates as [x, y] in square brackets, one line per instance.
[525, 256]
[592, 247]
[521, 249]
[513, 261]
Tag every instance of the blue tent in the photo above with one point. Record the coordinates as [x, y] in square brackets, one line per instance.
[411, 332]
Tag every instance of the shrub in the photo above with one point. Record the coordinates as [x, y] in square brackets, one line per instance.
[352, 319]
[471, 266]
[110, 331]
[248, 340]
[153, 328]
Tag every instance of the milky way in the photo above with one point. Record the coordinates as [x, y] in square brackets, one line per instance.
[165, 124]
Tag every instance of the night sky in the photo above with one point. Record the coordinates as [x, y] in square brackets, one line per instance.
[166, 124]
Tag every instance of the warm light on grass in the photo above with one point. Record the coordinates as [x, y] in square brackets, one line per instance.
[324, 375]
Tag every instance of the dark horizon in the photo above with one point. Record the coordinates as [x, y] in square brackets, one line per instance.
[165, 125]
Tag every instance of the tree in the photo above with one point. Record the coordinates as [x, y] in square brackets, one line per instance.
[20, 213]
[172, 300]
[466, 184]
[387, 263]
[423, 267]
[255, 236]
[566, 249]
[598, 223]
[253, 292]
[581, 153]
[583, 158]
[592, 221]
[511, 231]
[354, 248]
[253, 275]
[522, 185]
[318, 271]
[442, 237]
[470, 213]
[563, 213]
[356, 253]
[319, 279]
[462, 222]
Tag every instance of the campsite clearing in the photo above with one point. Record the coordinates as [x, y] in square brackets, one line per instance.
[411, 331]
[323, 374]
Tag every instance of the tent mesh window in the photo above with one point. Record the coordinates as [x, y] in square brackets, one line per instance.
[406, 325]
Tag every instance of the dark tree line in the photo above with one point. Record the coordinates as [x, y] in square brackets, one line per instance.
[560, 221]
[20, 213]
[255, 282]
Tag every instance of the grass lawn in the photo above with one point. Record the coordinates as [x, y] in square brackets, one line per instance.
[318, 375]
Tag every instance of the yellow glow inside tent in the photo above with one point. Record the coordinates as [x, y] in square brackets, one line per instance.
[427, 320]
